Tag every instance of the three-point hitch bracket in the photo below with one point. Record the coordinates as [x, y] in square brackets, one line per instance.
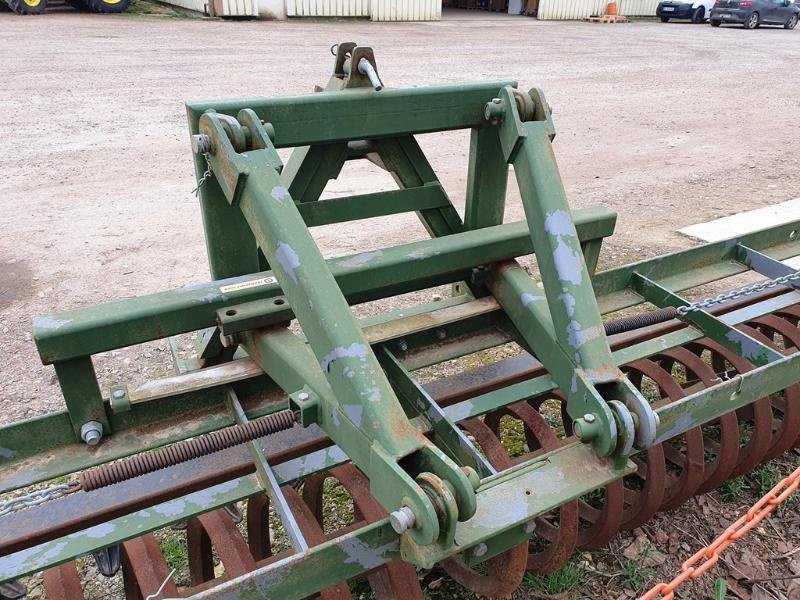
[336, 379]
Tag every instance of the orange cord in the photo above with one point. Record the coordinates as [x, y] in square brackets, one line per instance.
[706, 558]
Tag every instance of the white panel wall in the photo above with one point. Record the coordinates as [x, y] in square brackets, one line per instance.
[406, 10]
[238, 8]
[378, 10]
[638, 8]
[328, 8]
[570, 9]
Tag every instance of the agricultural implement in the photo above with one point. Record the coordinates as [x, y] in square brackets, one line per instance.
[289, 397]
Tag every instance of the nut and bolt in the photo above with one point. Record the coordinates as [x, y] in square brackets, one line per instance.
[441, 334]
[530, 526]
[402, 519]
[493, 111]
[402, 345]
[586, 428]
[302, 396]
[480, 550]
[92, 432]
[118, 394]
[201, 143]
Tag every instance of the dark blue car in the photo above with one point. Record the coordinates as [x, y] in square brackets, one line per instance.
[752, 13]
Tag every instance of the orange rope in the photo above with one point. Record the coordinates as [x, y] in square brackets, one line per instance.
[706, 558]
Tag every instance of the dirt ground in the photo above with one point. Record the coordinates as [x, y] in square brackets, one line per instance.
[667, 124]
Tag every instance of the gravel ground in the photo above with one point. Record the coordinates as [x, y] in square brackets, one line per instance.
[667, 124]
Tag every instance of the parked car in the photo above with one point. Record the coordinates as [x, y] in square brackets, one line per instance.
[752, 13]
[696, 12]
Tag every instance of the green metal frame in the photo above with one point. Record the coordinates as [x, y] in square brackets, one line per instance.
[355, 379]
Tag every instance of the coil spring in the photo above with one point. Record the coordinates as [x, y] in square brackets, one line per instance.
[626, 324]
[141, 464]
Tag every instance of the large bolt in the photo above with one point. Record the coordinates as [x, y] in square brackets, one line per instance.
[118, 394]
[92, 432]
[480, 550]
[530, 526]
[402, 519]
[302, 396]
[586, 428]
[365, 68]
[201, 143]
[493, 111]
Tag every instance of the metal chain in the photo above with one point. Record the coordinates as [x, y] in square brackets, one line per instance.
[38, 497]
[206, 175]
[735, 294]
[706, 558]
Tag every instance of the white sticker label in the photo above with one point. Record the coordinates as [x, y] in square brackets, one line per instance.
[246, 285]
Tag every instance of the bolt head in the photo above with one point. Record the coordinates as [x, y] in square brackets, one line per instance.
[530, 526]
[302, 396]
[496, 101]
[201, 143]
[402, 519]
[118, 394]
[589, 417]
[480, 549]
[92, 432]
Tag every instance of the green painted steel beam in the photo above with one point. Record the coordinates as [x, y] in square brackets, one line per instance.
[340, 116]
[695, 266]
[408, 267]
[742, 344]
[378, 204]
[544, 384]
[418, 402]
[729, 395]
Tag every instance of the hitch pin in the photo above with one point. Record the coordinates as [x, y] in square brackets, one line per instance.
[365, 68]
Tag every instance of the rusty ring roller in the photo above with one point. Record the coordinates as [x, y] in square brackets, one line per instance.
[141, 464]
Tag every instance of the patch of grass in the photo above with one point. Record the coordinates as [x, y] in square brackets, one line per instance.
[436, 585]
[512, 433]
[732, 489]
[173, 545]
[766, 477]
[636, 576]
[562, 581]
[337, 506]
